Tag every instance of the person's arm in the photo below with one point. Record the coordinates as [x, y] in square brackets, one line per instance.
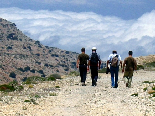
[88, 64]
[121, 63]
[123, 66]
[99, 64]
[107, 63]
[77, 63]
[135, 66]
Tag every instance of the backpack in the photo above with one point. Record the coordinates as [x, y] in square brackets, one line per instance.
[114, 61]
[94, 59]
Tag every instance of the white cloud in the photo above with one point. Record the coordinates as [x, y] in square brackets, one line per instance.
[71, 31]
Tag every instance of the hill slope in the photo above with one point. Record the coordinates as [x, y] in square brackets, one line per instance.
[20, 56]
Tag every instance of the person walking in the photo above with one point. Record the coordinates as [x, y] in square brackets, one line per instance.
[114, 60]
[130, 65]
[82, 62]
[94, 64]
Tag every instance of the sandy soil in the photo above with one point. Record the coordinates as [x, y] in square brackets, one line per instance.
[72, 99]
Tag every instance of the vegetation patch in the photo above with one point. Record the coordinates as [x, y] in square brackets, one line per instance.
[57, 86]
[7, 88]
[33, 80]
[140, 67]
[31, 101]
[12, 86]
[135, 95]
[145, 89]
[75, 73]
[150, 64]
[148, 82]
[103, 70]
[52, 94]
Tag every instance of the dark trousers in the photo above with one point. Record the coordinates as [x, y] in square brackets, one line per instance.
[94, 74]
[114, 76]
[83, 72]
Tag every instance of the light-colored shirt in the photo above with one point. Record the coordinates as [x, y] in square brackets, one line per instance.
[111, 56]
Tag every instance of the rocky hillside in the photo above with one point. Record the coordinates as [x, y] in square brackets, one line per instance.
[145, 59]
[20, 56]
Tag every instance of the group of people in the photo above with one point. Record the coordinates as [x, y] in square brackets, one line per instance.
[93, 62]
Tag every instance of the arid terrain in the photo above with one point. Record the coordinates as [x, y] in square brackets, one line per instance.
[66, 97]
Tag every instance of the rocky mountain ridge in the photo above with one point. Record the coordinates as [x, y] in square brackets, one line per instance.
[21, 56]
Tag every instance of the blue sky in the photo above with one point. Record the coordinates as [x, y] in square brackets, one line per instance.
[120, 25]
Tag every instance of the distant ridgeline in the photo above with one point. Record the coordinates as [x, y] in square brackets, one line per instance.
[21, 57]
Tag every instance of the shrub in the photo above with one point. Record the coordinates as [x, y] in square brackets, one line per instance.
[74, 73]
[145, 89]
[57, 76]
[57, 86]
[21, 69]
[13, 83]
[27, 68]
[147, 82]
[51, 78]
[33, 70]
[12, 86]
[150, 64]
[135, 94]
[153, 95]
[19, 88]
[7, 88]
[41, 71]
[153, 88]
[9, 47]
[103, 70]
[140, 67]
[53, 94]
[12, 74]
[33, 79]
[37, 96]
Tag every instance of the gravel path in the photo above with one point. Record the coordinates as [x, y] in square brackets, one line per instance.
[72, 99]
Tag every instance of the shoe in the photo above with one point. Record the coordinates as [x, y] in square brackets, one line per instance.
[83, 84]
[94, 82]
[127, 85]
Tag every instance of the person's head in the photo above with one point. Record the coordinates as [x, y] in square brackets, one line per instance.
[94, 49]
[130, 53]
[83, 50]
[114, 52]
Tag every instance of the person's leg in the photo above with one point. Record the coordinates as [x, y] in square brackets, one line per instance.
[112, 76]
[93, 76]
[96, 73]
[116, 77]
[84, 74]
[81, 72]
[129, 82]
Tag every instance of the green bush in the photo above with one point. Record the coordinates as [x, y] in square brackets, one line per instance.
[33, 80]
[103, 70]
[19, 88]
[153, 88]
[135, 94]
[56, 76]
[53, 94]
[51, 78]
[153, 95]
[57, 86]
[13, 83]
[74, 73]
[148, 82]
[12, 74]
[150, 64]
[7, 88]
[145, 89]
[140, 67]
[12, 86]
